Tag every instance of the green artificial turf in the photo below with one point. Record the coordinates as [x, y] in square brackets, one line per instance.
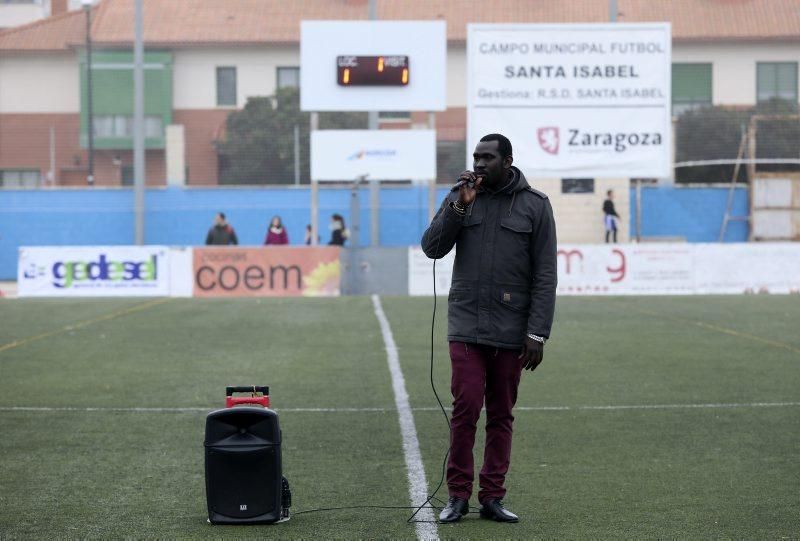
[581, 472]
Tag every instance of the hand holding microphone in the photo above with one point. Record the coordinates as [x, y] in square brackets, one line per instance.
[467, 185]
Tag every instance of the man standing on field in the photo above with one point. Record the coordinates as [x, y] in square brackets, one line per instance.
[500, 310]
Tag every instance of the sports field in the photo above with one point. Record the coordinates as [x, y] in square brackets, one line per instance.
[650, 417]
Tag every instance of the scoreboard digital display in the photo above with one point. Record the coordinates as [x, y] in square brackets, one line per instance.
[372, 70]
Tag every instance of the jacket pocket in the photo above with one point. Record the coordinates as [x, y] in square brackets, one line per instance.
[515, 235]
[511, 308]
[462, 312]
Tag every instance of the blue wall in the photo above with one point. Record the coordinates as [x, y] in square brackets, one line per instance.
[176, 216]
[692, 213]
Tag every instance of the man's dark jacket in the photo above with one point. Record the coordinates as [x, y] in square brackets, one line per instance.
[504, 276]
[222, 235]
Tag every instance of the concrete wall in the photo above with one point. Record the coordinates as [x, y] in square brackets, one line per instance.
[39, 83]
[19, 14]
[579, 216]
[182, 216]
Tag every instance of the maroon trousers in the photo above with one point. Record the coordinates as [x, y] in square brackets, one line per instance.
[481, 372]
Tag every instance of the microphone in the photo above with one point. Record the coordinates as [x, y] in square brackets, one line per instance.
[470, 183]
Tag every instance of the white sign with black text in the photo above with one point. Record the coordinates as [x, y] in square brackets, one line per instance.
[379, 154]
[576, 100]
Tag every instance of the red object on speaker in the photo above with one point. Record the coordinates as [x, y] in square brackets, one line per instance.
[231, 401]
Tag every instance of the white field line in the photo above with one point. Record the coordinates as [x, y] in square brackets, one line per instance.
[611, 407]
[417, 483]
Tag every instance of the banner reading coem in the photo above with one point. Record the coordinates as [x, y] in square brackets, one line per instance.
[93, 271]
[576, 100]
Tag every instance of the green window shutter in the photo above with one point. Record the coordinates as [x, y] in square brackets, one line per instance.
[112, 98]
[691, 83]
[776, 80]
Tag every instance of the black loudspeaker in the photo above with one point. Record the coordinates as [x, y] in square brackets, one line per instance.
[244, 481]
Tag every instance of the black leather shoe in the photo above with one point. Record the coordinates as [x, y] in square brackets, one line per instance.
[494, 510]
[454, 510]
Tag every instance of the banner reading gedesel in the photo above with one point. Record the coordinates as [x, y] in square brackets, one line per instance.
[576, 100]
[266, 272]
[93, 271]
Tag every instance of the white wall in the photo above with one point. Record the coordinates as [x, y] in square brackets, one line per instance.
[42, 83]
[18, 14]
[456, 76]
[734, 66]
[579, 216]
[195, 73]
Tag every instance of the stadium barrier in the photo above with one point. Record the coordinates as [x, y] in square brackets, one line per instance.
[650, 269]
[159, 271]
[616, 269]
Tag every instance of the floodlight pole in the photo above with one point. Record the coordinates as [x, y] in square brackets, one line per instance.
[138, 126]
[314, 126]
[87, 7]
[375, 183]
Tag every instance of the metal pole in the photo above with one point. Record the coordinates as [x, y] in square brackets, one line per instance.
[432, 183]
[90, 105]
[638, 210]
[52, 179]
[138, 126]
[374, 183]
[612, 11]
[313, 125]
[296, 155]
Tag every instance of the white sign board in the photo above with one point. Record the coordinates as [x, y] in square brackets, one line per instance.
[380, 154]
[423, 42]
[93, 271]
[420, 273]
[651, 269]
[576, 100]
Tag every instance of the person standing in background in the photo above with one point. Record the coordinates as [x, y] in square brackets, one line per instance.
[276, 234]
[339, 232]
[221, 233]
[610, 216]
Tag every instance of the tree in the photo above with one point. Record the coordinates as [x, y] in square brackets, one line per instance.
[259, 143]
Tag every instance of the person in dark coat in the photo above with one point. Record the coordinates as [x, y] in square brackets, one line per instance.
[221, 233]
[610, 216]
[500, 312]
[339, 232]
[276, 234]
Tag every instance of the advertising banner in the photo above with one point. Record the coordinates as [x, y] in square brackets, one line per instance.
[266, 272]
[420, 273]
[382, 155]
[93, 271]
[576, 100]
[651, 269]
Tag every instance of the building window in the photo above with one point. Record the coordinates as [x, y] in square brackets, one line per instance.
[11, 178]
[394, 116]
[691, 87]
[288, 77]
[577, 185]
[122, 126]
[226, 86]
[776, 81]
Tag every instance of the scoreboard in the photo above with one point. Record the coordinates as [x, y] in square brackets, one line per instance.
[388, 70]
